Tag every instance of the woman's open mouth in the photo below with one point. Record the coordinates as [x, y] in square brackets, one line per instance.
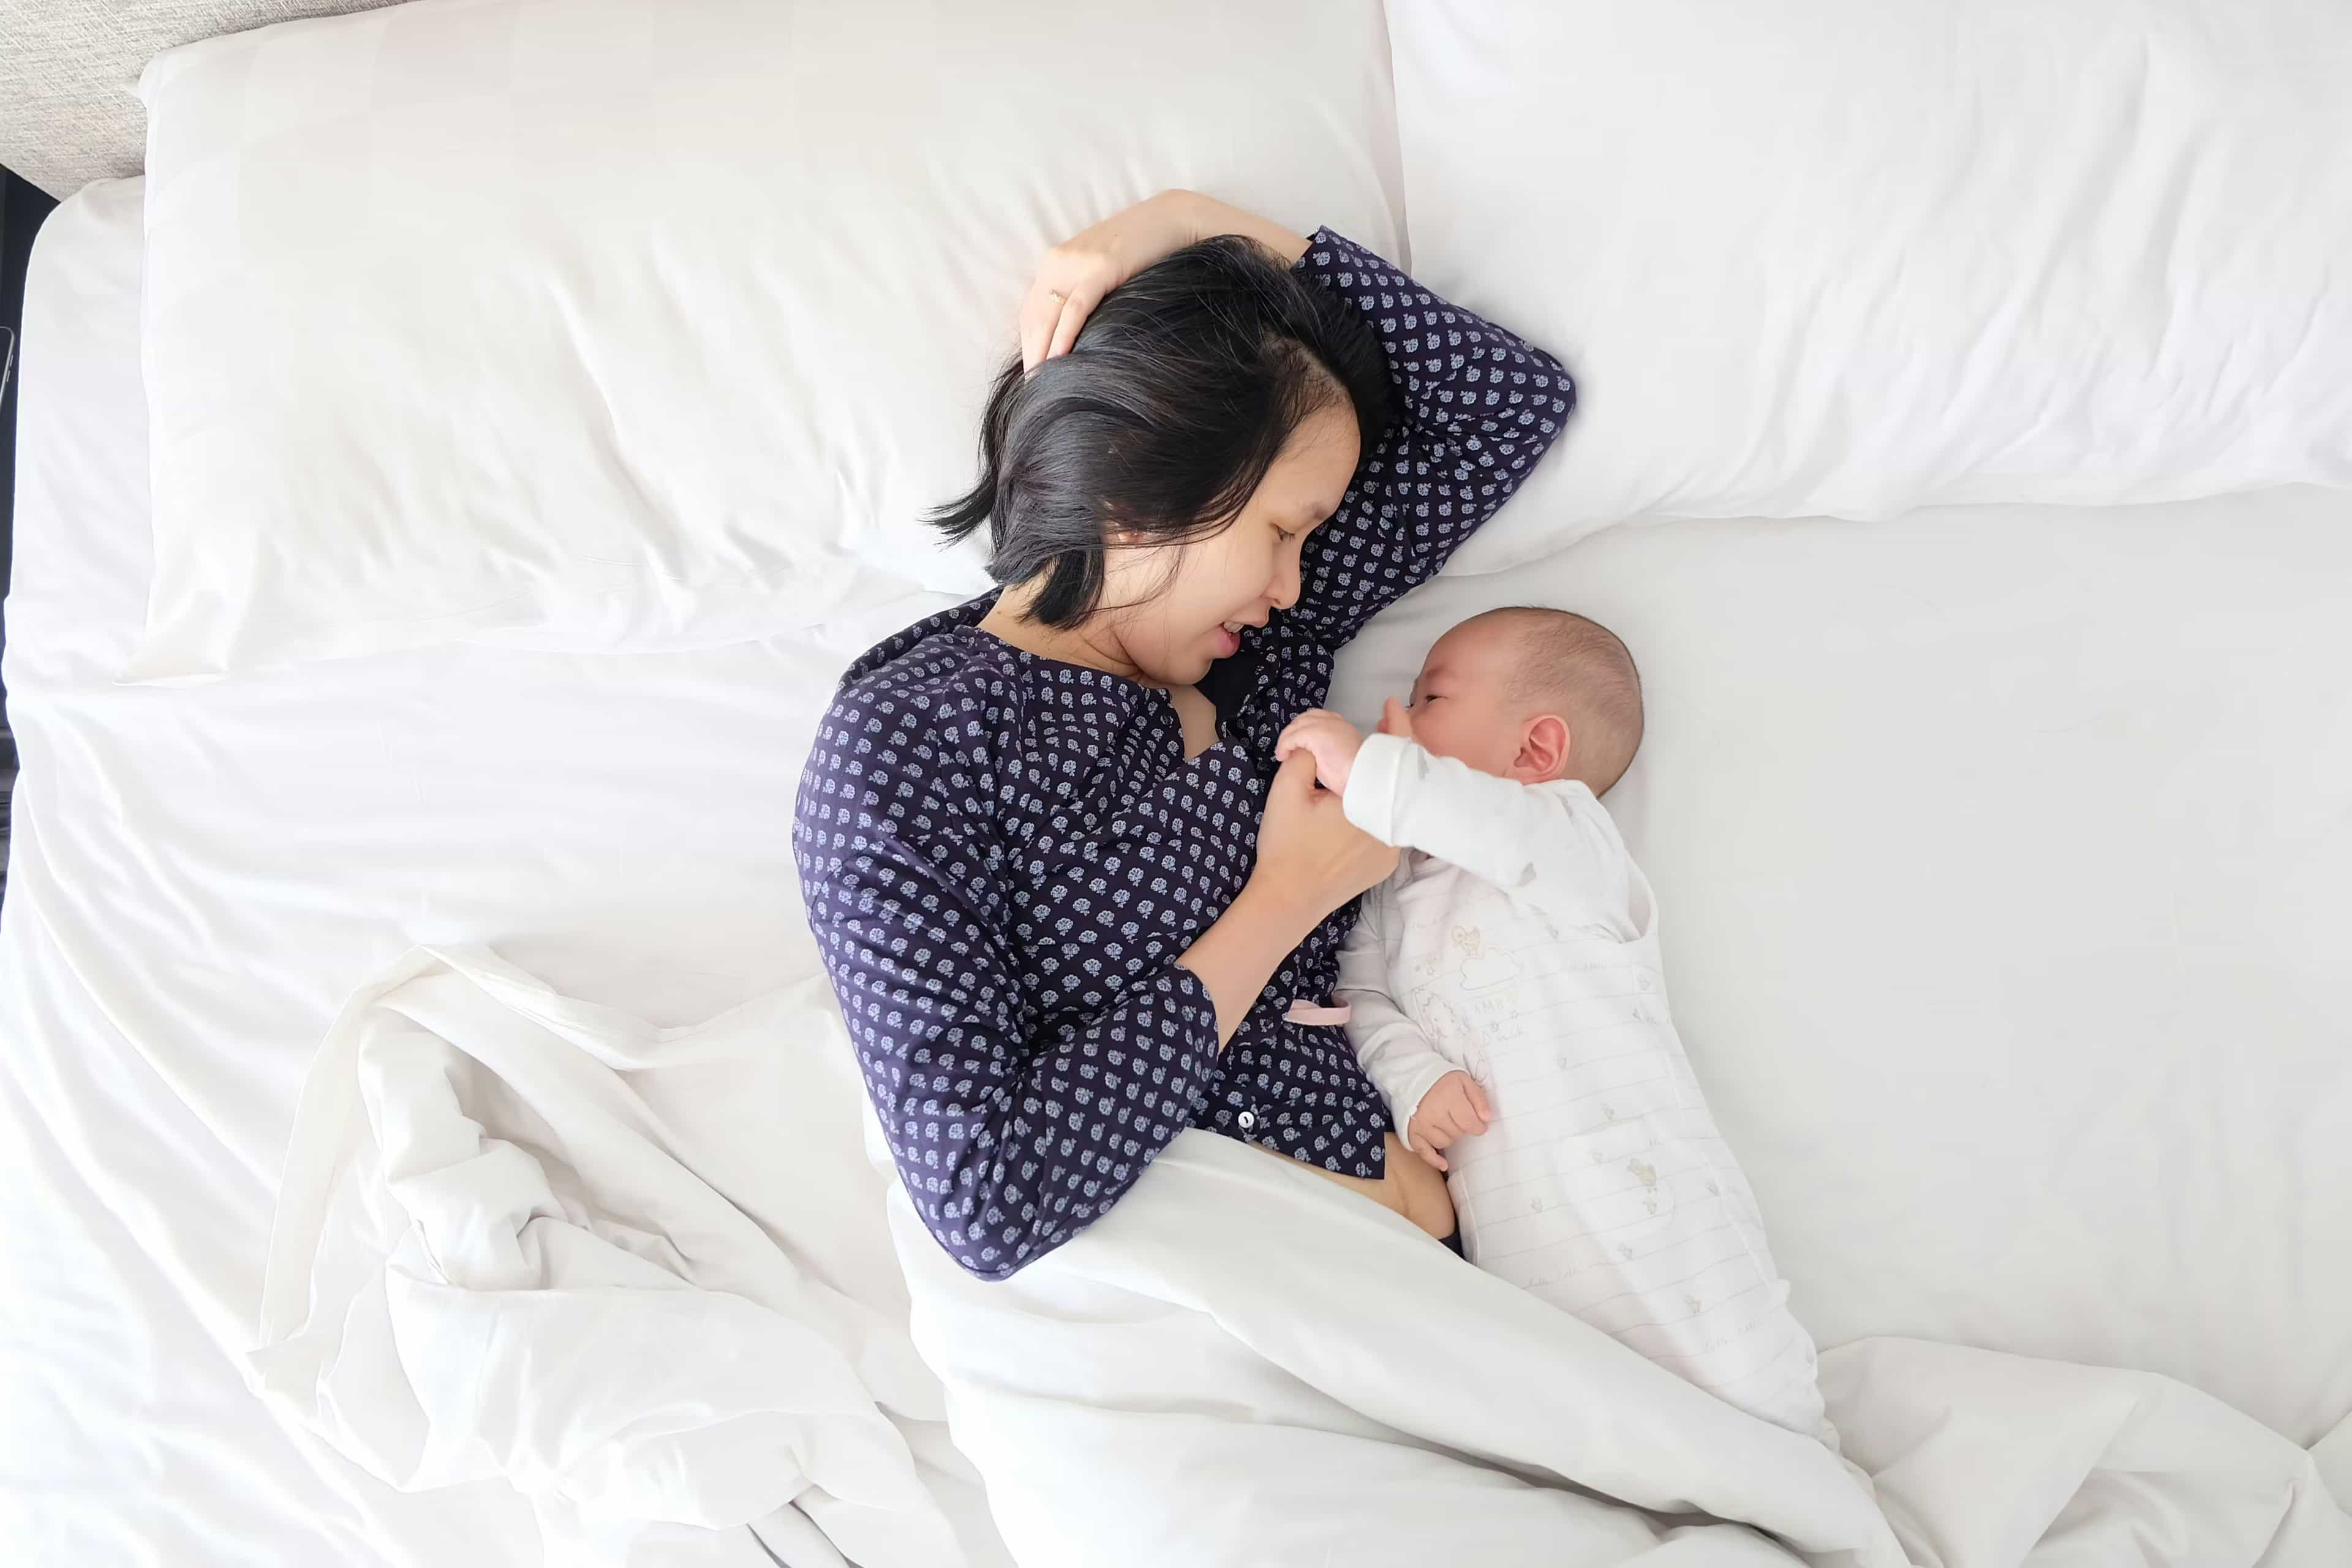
[1229, 640]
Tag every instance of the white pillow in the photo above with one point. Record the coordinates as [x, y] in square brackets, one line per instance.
[609, 324]
[1853, 257]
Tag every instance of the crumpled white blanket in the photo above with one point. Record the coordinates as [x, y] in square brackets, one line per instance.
[644, 1274]
[1242, 1364]
[639, 1272]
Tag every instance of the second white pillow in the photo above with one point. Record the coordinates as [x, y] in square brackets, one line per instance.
[1853, 257]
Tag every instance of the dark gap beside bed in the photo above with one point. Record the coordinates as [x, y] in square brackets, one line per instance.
[22, 208]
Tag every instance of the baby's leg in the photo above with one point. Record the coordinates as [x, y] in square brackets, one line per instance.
[1407, 1187]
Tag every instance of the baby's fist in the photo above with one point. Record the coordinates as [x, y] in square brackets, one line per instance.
[1454, 1107]
[1330, 739]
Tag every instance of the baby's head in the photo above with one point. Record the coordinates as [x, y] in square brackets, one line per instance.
[1533, 695]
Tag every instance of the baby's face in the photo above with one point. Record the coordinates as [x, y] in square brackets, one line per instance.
[1461, 700]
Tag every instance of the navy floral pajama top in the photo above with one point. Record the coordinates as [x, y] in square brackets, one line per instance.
[1003, 854]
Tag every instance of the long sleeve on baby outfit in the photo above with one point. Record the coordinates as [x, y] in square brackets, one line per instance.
[1551, 845]
[1398, 1057]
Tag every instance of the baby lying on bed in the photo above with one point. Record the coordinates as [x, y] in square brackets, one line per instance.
[1507, 998]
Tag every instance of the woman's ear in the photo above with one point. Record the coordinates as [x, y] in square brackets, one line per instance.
[1544, 748]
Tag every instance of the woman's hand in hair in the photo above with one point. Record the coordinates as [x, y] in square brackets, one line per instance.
[1076, 274]
[1307, 849]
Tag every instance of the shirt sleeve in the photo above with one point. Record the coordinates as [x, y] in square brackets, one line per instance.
[1552, 845]
[1472, 408]
[1011, 1130]
[1398, 1057]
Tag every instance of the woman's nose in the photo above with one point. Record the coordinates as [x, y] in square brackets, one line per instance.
[1284, 589]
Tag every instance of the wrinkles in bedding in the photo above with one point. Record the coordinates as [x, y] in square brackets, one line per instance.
[202, 874]
[179, 953]
[150, 1064]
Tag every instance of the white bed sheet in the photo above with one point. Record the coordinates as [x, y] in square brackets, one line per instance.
[2004, 873]
[2002, 858]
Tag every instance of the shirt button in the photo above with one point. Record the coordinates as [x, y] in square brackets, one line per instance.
[1248, 1120]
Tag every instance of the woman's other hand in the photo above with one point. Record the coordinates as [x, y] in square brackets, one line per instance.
[1310, 860]
[1308, 850]
[1076, 274]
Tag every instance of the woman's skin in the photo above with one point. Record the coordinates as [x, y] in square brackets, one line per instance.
[1169, 610]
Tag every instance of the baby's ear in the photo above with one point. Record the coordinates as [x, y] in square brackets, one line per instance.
[1545, 747]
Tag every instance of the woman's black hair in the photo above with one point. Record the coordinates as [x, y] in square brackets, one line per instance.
[1182, 390]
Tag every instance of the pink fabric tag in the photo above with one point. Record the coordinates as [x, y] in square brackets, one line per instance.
[1307, 1012]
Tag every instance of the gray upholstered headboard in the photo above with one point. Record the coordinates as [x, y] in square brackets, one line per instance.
[69, 74]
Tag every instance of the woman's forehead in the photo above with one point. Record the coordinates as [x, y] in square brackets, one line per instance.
[1312, 471]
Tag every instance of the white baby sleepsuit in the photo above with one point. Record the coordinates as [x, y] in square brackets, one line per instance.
[1517, 941]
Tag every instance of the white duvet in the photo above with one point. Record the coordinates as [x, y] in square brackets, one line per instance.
[522, 1235]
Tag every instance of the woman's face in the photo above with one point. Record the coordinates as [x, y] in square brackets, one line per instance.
[1175, 607]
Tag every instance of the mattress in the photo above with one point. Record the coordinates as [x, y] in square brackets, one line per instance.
[2001, 857]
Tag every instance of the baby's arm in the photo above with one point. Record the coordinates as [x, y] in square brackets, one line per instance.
[1398, 1058]
[1550, 844]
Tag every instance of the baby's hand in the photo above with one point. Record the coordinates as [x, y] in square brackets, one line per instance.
[1396, 719]
[1330, 739]
[1455, 1107]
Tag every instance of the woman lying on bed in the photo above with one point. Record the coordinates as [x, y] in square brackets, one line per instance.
[1070, 906]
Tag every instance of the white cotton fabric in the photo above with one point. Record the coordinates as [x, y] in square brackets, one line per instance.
[1845, 258]
[604, 325]
[1244, 1364]
[1517, 941]
[501, 1249]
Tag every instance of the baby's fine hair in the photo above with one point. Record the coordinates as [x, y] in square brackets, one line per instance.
[1583, 669]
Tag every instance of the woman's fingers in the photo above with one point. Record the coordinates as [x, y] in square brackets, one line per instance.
[1076, 274]
[1077, 305]
[1062, 296]
[1040, 312]
[1048, 317]
[1296, 774]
